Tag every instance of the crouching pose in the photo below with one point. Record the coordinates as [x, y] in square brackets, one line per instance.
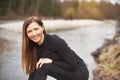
[44, 54]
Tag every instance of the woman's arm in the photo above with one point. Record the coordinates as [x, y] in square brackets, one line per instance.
[43, 61]
[65, 52]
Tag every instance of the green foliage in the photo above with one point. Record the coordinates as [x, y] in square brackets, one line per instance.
[69, 13]
[109, 10]
[54, 8]
[90, 9]
[3, 8]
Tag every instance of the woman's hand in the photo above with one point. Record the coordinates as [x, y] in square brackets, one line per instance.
[43, 61]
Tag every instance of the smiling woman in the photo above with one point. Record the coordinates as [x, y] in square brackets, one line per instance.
[44, 54]
[35, 33]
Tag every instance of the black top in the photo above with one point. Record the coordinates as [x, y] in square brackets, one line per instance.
[57, 49]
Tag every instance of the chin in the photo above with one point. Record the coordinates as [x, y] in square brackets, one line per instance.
[36, 41]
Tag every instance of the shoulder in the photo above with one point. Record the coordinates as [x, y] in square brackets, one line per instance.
[56, 40]
[54, 37]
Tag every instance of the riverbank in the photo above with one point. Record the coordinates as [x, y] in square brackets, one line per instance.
[54, 25]
[107, 58]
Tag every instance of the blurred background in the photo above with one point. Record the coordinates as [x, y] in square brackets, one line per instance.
[84, 24]
[67, 9]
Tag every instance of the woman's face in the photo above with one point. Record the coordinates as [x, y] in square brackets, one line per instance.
[35, 32]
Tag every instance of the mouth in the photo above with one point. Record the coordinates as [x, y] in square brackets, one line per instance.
[35, 37]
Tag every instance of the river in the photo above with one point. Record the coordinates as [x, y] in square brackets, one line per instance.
[83, 39]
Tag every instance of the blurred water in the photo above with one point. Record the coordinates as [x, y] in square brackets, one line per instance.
[82, 40]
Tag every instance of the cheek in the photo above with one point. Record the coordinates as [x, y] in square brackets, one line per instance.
[40, 31]
[29, 36]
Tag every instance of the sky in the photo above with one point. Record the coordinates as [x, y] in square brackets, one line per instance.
[112, 1]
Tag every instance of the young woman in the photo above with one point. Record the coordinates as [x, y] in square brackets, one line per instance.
[44, 54]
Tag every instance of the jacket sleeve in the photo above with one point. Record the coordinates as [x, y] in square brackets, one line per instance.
[65, 52]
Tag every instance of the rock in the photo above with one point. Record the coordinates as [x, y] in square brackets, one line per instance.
[109, 64]
[107, 43]
[108, 58]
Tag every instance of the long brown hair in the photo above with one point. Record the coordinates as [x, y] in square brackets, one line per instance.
[29, 56]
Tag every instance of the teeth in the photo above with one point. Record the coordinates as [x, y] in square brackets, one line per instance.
[35, 37]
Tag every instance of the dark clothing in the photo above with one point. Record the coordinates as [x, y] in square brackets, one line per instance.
[66, 64]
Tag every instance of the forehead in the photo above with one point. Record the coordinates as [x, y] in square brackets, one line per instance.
[33, 25]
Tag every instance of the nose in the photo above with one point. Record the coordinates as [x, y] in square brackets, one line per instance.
[33, 33]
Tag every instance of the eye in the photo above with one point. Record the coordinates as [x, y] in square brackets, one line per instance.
[29, 31]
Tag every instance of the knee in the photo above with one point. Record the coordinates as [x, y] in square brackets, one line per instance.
[45, 68]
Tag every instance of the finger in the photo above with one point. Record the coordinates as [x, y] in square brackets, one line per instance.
[38, 64]
[41, 65]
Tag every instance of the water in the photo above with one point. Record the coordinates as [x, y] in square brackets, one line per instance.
[82, 40]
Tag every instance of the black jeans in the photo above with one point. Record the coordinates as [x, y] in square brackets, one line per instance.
[60, 73]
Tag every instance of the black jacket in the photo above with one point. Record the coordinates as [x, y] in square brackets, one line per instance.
[57, 49]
